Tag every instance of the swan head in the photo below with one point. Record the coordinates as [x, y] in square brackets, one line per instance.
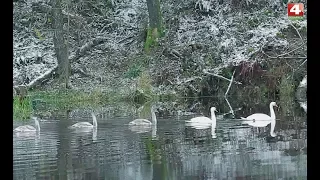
[213, 109]
[273, 104]
[154, 109]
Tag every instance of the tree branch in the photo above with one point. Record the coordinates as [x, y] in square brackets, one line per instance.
[219, 76]
[229, 86]
[297, 32]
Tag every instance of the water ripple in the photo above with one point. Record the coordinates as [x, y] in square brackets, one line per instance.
[172, 150]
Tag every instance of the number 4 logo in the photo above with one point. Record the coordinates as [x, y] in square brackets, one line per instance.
[295, 10]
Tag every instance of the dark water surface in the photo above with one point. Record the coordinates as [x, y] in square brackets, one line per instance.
[170, 151]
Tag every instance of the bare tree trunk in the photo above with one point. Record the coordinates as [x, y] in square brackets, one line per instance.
[60, 44]
[154, 14]
[155, 23]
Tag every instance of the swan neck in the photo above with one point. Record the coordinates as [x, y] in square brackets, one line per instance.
[213, 118]
[94, 134]
[213, 133]
[94, 119]
[273, 125]
[272, 114]
[213, 125]
[37, 125]
[154, 131]
[154, 118]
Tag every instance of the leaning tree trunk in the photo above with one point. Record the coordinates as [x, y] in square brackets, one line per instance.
[60, 44]
[155, 24]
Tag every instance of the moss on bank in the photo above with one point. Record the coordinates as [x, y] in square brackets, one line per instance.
[70, 99]
[22, 109]
[66, 99]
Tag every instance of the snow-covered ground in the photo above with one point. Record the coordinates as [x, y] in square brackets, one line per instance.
[229, 31]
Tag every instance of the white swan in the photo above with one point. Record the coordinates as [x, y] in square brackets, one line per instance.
[204, 120]
[262, 117]
[86, 125]
[145, 122]
[28, 128]
[262, 120]
[205, 123]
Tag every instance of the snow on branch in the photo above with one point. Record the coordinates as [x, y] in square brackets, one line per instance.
[219, 76]
[42, 77]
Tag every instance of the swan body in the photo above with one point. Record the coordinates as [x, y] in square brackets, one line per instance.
[141, 122]
[145, 122]
[86, 125]
[201, 120]
[262, 123]
[204, 120]
[28, 128]
[257, 117]
[262, 120]
[82, 125]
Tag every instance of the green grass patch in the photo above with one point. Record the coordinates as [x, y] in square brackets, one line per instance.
[22, 110]
[66, 99]
[47, 101]
[73, 99]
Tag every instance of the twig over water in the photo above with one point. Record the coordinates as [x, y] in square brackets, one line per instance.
[219, 76]
[231, 80]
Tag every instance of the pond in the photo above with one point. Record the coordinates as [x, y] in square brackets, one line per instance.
[171, 150]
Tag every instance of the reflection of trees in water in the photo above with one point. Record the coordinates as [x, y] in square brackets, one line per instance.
[248, 105]
[201, 105]
[239, 153]
[34, 156]
[63, 156]
[23, 160]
